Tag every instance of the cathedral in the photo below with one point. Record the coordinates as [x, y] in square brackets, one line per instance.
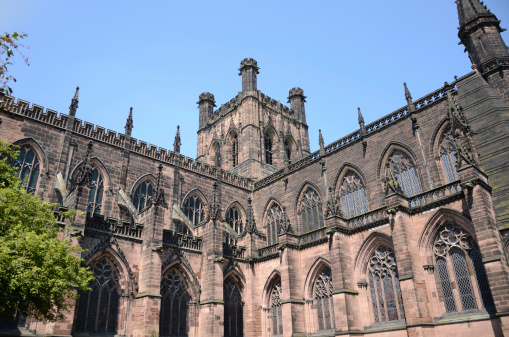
[400, 228]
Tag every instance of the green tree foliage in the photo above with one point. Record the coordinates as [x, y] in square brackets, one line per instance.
[9, 46]
[39, 272]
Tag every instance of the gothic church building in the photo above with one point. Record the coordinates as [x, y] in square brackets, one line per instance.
[400, 228]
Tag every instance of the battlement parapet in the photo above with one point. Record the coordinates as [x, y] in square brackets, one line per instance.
[35, 112]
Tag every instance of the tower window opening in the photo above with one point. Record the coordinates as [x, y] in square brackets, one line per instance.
[268, 149]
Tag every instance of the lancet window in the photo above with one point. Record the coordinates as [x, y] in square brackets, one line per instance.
[448, 156]
[27, 164]
[402, 168]
[268, 148]
[235, 149]
[194, 209]
[323, 299]
[173, 320]
[386, 299]
[458, 261]
[288, 150]
[274, 219]
[234, 220]
[233, 310]
[353, 195]
[142, 196]
[276, 309]
[97, 309]
[95, 195]
[311, 210]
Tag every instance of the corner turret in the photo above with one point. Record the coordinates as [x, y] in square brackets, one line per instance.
[297, 99]
[248, 70]
[206, 104]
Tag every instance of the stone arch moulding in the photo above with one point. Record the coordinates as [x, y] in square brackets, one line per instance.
[197, 192]
[312, 274]
[441, 217]
[239, 207]
[343, 171]
[189, 276]
[238, 278]
[268, 205]
[366, 250]
[271, 131]
[213, 144]
[29, 141]
[434, 144]
[302, 191]
[388, 150]
[100, 166]
[119, 263]
[273, 277]
[144, 177]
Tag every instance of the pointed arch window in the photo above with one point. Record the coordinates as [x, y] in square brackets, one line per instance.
[353, 195]
[459, 262]
[448, 157]
[233, 310]
[274, 219]
[323, 299]
[27, 164]
[98, 308]
[234, 220]
[268, 148]
[194, 209]
[311, 211]
[235, 149]
[173, 320]
[276, 309]
[288, 150]
[386, 299]
[142, 196]
[401, 166]
[95, 195]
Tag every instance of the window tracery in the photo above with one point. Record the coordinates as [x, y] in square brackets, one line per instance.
[194, 209]
[98, 308]
[95, 195]
[353, 195]
[142, 196]
[323, 299]
[276, 309]
[311, 211]
[456, 248]
[403, 169]
[274, 220]
[233, 310]
[234, 220]
[27, 164]
[173, 320]
[386, 298]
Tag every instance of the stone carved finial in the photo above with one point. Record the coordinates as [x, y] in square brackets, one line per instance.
[320, 138]
[84, 177]
[286, 227]
[250, 221]
[129, 123]
[206, 97]
[159, 199]
[296, 92]
[359, 115]
[408, 97]
[215, 207]
[177, 142]
[74, 101]
[248, 63]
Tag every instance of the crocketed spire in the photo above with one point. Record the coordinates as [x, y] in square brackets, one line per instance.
[468, 10]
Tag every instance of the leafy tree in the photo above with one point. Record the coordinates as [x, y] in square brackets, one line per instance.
[39, 275]
[9, 46]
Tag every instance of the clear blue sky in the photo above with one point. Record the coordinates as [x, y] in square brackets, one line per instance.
[158, 56]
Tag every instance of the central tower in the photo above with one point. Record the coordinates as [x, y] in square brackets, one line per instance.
[252, 135]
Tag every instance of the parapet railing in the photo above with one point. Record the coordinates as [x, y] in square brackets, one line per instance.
[268, 251]
[123, 229]
[182, 240]
[368, 218]
[233, 251]
[435, 194]
[380, 123]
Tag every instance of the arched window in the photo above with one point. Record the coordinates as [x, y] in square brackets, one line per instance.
[268, 148]
[288, 150]
[95, 197]
[234, 219]
[173, 320]
[311, 211]
[274, 219]
[235, 149]
[353, 195]
[456, 249]
[142, 196]
[28, 168]
[276, 309]
[448, 157]
[323, 299]
[384, 286]
[97, 309]
[194, 210]
[402, 167]
[233, 310]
